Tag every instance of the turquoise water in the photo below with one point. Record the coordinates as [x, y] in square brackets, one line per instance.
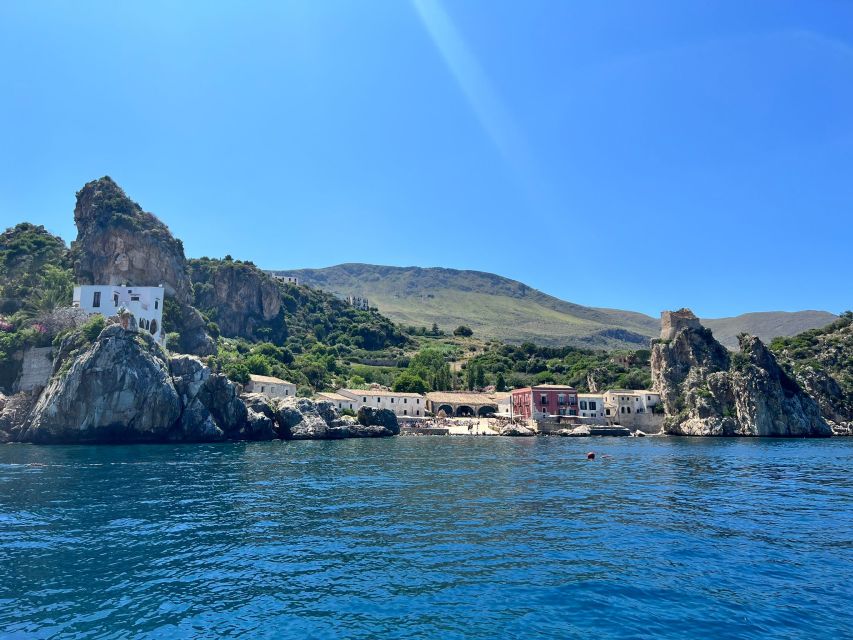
[429, 538]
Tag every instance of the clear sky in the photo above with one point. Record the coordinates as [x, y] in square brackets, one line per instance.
[637, 155]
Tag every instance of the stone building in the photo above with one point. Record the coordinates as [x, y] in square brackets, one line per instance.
[634, 409]
[591, 405]
[358, 302]
[466, 404]
[671, 322]
[270, 386]
[401, 404]
[145, 303]
[544, 400]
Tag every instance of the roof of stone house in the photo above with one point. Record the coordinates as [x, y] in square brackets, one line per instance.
[556, 387]
[462, 397]
[331, 395]
[267, 379]
[639, 392]
[379, 393]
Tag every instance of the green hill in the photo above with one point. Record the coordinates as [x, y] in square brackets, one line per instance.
[497, 307]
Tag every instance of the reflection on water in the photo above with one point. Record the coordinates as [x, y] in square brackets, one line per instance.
[429, 537]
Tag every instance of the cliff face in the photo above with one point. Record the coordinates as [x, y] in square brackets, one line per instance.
[821, 361]
[119, 243]
[238, 296]
[707, 392]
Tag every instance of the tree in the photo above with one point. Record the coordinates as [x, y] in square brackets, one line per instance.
[480, 376]
[500, 383]
[407, 382]
[463, 331]
[469, 377]
[429, 364]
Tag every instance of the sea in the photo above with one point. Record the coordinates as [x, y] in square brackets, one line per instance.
[429, 537]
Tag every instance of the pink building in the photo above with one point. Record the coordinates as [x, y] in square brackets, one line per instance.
[545, 400]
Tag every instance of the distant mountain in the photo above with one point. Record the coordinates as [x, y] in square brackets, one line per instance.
[767, 325]
[497, 307]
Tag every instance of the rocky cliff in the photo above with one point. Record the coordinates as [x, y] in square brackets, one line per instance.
[707, 392]
[821, 361]
[119, 243]
[238, 296]
[122, 387]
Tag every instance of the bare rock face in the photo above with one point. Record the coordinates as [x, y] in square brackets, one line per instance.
[243, 296]
[707, 392]
[119, 243]
[119, 390]
[385, 418]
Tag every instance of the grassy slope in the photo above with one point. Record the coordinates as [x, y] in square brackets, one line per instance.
[493, 306]
[497, 307]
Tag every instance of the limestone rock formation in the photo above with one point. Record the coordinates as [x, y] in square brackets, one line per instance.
[370, 417]
[516, 430]
[243, 297]
[119, 243]
[707, 392]
[821, 361]
[118, 390]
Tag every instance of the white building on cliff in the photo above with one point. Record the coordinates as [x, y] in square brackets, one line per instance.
[145, 303]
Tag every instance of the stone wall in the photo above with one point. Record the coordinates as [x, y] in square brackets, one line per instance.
[671, 322]
[36, 369]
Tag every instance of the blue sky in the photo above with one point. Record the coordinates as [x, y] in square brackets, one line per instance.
[637, 155]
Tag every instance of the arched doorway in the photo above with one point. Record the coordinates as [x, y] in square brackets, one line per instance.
[446, 409]
[486, 410]
[464, 411]
[153, 327]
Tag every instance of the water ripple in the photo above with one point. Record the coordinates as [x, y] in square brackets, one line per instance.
[429, 537]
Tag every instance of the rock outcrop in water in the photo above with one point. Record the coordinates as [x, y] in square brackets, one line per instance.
[708, 392]
[123, 387]
[119, 243]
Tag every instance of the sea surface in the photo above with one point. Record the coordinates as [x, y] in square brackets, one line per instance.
[429, 537]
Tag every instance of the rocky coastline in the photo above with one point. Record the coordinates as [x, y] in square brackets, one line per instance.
[124, 388]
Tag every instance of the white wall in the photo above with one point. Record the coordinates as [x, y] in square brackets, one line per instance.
[401, 404]
[144, 303]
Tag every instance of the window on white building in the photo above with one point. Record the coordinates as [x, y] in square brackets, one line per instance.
[96, 299]
[592, 405]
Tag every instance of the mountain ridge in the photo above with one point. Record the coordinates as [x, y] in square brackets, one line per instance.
[510, 310]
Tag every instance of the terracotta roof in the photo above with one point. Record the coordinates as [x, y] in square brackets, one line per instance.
[463, 397]
[267, 379]
[331, 395]
[379, 393]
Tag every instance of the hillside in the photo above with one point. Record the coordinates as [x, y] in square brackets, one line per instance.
[508, 310]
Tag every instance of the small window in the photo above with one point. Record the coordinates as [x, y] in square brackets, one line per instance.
[608, 411]
[364, 399]
[405, 413]
[96, 299]
[134, 298]
[115, 299]
[392, 400]
[405, 401]
[592, 405]
[583, 404]
[418, 401]
[156, 304]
